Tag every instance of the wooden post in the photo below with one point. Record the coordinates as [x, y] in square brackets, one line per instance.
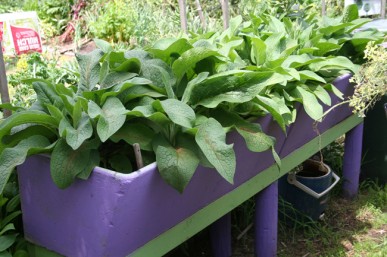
[3, 83]
[323, 8]
[226, 13]
[201, 15]
[383, 9]
[183, 16]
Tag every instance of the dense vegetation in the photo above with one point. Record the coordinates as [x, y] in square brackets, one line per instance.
[274, 55]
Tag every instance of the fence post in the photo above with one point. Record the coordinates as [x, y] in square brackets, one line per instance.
[226, 13]
[183, 15]
[323, 7]
[3, 83]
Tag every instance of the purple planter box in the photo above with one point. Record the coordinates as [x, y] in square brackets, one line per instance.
[303, 130]
[113, 214]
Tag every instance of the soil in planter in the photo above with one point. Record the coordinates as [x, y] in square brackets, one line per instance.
[311, 173]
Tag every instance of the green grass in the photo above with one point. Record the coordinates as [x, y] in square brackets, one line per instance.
[350, 228]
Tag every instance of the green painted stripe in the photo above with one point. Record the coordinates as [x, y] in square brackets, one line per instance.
[204, 217]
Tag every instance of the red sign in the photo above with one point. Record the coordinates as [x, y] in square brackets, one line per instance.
[1, 35]
[1, 30]
[25, 40]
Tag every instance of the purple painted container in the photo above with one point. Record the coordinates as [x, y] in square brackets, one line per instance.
[113, 214]
[302, 130]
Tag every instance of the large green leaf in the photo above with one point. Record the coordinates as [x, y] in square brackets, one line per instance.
[227, 48]
[13, 204]
[139, 91]
[11, 216]
[24, 131]
[355, 24]
[92, 161]
[66, 163]
[89, 70]
[258, 50]
[331, 25]
[7, 227]
[26, 117]
[179, 112]
[103, 45]
[310, 75]
[256, 140]
[272, 107]
[232, 87]
[118, 62]
[176, 165]
[311, 105]
[111, 117]
[187, 141]
[297, 61]
[6, 241]
[361, 38]
[115, 78]
[135, 133]
[351, 12]
[189, 59]
[121, 87]
[211, 139]
[275, 45]
[159, 73]
[276, 26]
[337, 62]
[321, 94]
[55, 112]
[325, 47]
[46, 94]
[169, 49]
[12, 157]
[335, 90]
[75, 136]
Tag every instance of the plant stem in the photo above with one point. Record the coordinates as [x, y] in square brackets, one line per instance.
[137, 153]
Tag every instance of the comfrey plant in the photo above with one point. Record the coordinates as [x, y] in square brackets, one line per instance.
[179, 98]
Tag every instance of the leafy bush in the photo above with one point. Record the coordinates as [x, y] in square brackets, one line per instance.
[139, 24]
[56, 12]
[335, 7]
[371, 80]
[122, 21]
[11, 242]
[178, 98]
[7, 6]
[36, 65]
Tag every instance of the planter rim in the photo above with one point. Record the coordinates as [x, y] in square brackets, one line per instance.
[341, 77]
[116, 174]
[329, 171]
[136, 173]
